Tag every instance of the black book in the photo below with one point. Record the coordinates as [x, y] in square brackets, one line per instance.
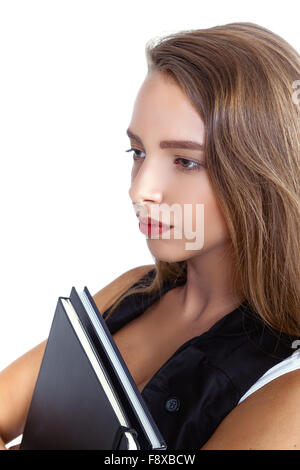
[85, 396]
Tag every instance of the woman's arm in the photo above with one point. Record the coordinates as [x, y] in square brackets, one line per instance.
[269, 419]
[17, 383]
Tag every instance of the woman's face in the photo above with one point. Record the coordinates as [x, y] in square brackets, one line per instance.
[165, 176]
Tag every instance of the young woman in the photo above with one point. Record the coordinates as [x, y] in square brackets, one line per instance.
[208, 331]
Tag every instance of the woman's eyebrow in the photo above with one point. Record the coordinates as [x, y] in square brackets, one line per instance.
[179, 144]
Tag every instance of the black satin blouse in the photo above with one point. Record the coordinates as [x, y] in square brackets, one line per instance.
[206, 377]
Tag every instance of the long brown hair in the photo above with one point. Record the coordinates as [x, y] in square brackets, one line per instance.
[239, 77]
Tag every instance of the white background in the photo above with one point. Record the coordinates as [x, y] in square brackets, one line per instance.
[69, 75]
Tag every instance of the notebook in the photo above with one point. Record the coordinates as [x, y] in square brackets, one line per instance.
[85, 396]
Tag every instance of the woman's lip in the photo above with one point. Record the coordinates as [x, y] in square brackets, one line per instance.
[153, 230]
[153, 223]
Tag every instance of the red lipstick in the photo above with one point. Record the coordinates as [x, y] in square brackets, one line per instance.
[152, 227]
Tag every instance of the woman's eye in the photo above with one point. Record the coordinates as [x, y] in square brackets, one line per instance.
[135, 154]
[186, 162]
[187, 165]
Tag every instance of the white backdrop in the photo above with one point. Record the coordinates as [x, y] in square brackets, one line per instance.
[69, 73]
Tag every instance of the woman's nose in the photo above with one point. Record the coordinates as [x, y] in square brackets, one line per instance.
[147, 183]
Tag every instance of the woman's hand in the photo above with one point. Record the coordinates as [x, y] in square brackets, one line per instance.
[2, 446]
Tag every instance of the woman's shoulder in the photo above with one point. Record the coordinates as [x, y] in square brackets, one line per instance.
[268, 419]
[105, 297]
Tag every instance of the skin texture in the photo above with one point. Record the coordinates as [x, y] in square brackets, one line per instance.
[163, 112]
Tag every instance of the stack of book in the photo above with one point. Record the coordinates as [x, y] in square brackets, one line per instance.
[85, 396]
